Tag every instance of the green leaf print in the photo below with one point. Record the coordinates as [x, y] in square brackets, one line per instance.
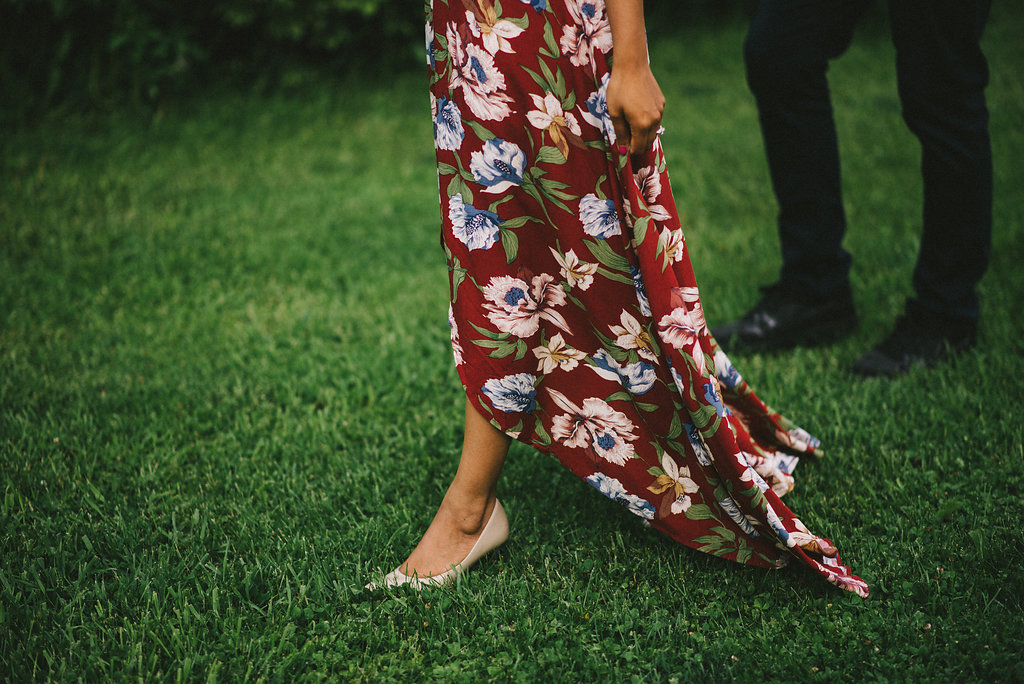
[499, 348]
[519, 221]
[541, 436]
[457, 186]
[607, 256]
[510, 242]
[640, 230]
[490, 334]
[480, 131]
[549, 155]
[676, 428]
[458, 275]
[552, 50]
[700, 512]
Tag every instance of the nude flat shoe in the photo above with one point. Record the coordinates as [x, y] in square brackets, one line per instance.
[494, 534]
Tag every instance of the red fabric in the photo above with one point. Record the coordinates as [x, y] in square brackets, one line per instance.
[576, 321]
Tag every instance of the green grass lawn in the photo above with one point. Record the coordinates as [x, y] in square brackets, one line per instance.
[227, 400]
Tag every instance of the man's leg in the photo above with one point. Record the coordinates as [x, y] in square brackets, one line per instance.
[942, 78]
[787, 52]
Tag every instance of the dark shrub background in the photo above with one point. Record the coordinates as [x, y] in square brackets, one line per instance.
[96, 53]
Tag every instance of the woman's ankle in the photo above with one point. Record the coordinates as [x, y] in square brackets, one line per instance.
[467, 511]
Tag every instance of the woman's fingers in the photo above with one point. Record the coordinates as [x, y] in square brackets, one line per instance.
[635, 104]
[622, 130]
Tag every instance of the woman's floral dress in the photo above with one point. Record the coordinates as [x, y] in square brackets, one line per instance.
[575, 318]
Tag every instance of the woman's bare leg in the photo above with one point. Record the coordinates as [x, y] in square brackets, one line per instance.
[467, 504]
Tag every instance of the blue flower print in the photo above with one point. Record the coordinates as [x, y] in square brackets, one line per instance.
[711, 396]
[637, 378]
[599, 217]
[498, 166]
[539, 5]
[734, 512]
[448, 130]
[476, 229]
[725, 371]
[777, 526]
[786, 462]
[512, 393]
[641, 290]
[596, 113]
[614, 490]
[697, 442]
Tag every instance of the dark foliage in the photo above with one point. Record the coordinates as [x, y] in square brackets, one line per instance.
[94, 52]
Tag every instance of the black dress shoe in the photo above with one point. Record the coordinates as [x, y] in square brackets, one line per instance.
[784, 318]
[915, 343]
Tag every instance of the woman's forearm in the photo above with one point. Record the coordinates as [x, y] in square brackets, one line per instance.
[629, 34]
[635, 101]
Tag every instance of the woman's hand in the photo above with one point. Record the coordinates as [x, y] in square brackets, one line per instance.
[635, 104]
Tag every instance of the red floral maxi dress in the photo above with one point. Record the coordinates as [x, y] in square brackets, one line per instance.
[576, 322]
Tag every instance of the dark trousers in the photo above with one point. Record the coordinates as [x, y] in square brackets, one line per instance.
[942, 75]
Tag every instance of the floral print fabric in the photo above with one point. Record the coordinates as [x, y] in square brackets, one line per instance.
[576, 322]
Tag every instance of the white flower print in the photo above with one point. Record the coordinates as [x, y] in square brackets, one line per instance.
[498, 166]
[429, 35]
[456, 343]
[589, 31]
[517, 308]
[673, 244]
[595, 425]
[493, 32]
[649, 181]
[557, 354]
[576, 273]
[677, 481]
[475, 228]
[474, 70]
[548, 116]
[798, 439]
[632, 335]
[599, 217]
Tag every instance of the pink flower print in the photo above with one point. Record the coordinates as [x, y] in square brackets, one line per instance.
[456, 343]
[517, 308]
[474, 70]
[649, 181]
[595, 425]
[589, 31]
